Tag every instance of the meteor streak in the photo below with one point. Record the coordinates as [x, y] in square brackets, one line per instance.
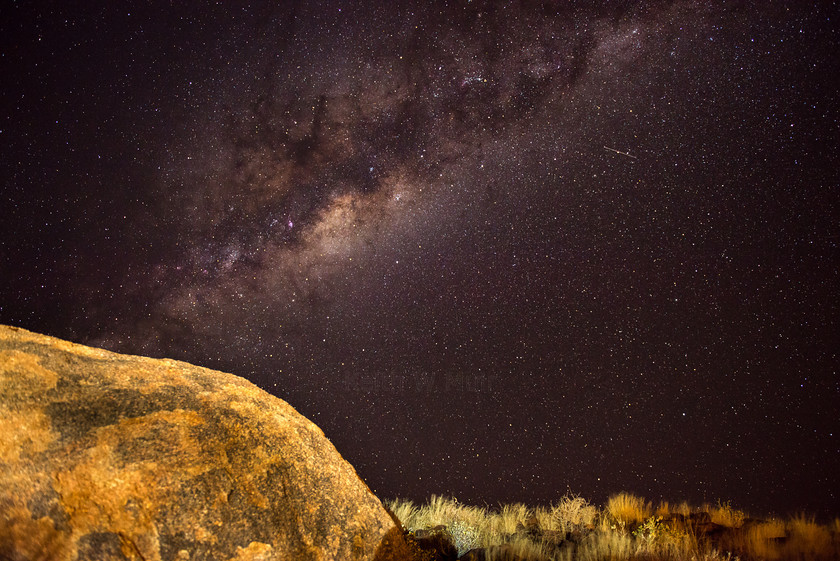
[622, 153]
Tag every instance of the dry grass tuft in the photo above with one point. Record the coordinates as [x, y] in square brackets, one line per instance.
[663, 509]
[606, 545]
[624, 530]
[527, 550]
[798, 539]
[628, 509]
[760, 541]
[683, 508]
[508, 518]
[809, 540]
[725, 515]
[545, 518]
[404, 510]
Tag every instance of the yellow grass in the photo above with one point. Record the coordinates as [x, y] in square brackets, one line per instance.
[510, 516]
[404, 510]
[628, 509]
[527, 550]
[759, 541]
[545, 518]
[665, 508]
[625, 529]
[607, 546]
[809, 540]
[683, 508]
[725, 515]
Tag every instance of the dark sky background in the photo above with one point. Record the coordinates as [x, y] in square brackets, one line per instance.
[495, 250]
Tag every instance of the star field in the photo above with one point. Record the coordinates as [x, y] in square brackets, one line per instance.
[495, 250]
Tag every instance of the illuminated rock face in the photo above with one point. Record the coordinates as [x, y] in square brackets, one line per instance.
[107, 456]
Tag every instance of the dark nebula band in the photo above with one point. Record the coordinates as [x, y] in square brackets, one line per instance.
[494, 249]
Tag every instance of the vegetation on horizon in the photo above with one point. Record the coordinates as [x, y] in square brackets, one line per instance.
[626, 528]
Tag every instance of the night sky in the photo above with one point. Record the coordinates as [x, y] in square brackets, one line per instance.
[495, 250]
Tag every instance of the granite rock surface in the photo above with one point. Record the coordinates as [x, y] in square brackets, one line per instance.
[107, 456]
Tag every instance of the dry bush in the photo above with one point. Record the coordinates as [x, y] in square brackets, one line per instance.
[657, 540]
[466, 535]
[470, 529]
[628, 509]
[572, 513]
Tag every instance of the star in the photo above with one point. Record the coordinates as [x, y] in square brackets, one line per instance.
[476, 231]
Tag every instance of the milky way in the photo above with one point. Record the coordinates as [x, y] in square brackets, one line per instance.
[495, 250]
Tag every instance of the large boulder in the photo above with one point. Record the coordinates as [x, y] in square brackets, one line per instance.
[107, 456]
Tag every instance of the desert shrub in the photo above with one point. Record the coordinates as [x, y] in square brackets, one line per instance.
[573, 512]
[650, 529]
[465, 536]
[662, 541]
